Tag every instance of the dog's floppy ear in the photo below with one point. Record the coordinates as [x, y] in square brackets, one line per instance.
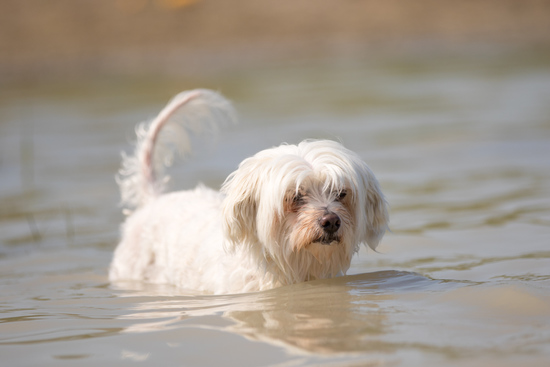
[376, 210]
[240, 204]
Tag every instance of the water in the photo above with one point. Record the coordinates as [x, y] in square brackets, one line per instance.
[461, 147]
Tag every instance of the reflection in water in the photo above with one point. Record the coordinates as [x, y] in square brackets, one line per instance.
[380, 314]
[344, 315]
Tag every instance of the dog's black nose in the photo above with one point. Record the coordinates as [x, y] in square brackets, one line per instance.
[330, 223]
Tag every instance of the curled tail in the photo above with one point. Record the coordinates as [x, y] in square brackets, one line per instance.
[141, 176]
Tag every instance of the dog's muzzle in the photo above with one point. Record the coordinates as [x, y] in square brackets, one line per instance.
[330, 223]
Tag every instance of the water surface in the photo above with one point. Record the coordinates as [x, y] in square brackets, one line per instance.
[461, 147]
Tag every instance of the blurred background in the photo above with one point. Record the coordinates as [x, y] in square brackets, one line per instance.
[74, 38]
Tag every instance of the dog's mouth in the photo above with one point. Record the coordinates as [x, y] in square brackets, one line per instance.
[328, 239]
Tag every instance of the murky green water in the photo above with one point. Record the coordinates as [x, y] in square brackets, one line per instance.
[461, 147]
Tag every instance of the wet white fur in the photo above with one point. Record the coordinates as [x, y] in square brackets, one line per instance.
[261, 230]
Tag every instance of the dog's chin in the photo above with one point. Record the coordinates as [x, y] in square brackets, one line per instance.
[322, 251]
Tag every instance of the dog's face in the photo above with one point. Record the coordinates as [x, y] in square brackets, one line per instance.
[307, 207]
[316, 219]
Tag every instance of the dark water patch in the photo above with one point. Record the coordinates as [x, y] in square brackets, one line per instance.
[397, 282]
[49, 337]
[71, 356]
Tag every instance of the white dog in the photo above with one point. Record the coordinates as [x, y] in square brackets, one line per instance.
[288, 214]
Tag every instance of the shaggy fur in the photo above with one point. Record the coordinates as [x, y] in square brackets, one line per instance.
[288, 214]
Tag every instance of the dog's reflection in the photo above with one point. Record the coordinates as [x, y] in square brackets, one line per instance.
[340, 315]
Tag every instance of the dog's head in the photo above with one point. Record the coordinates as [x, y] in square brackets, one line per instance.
[307, 207]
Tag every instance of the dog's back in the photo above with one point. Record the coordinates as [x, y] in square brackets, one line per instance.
[164, 236]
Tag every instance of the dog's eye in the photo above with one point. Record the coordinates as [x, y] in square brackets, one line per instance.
[298, 199]
[341, 195]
